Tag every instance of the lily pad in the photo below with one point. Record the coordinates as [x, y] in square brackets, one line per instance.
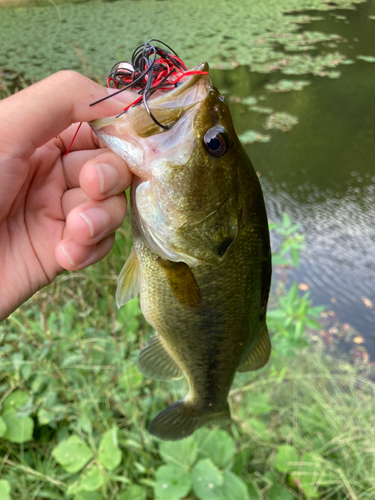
[251, 136]
[281, 121]
[286, 85]
[370, 59]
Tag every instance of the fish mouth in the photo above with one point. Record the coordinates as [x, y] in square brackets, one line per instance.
[136, 138]
[168, 107]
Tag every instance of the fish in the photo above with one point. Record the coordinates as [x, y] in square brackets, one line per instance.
[201, 259]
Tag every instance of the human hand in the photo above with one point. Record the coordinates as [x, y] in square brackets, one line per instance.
[56, 212]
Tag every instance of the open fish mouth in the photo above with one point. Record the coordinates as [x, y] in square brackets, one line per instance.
[166, 107]
[136, 137]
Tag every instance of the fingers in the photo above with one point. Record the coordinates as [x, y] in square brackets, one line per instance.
[94, 220]
[106, 175]
[53, 104]
[93, 211]
[72, 256]
[71, 199]
[103, 173]
[89, 229]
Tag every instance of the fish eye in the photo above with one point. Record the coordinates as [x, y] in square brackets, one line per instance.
[215, 141]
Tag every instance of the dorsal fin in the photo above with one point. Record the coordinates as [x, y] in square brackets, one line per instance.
[182, 282]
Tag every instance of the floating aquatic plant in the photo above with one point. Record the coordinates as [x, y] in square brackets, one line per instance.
[286, 85]
[261, 109]
[249, 101]
[252, 39]
[251, 136]
[369, 59]
[281, 121]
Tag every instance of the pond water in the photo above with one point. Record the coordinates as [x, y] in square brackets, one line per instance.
[322, 171]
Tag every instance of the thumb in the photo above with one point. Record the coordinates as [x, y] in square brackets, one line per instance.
[36, 114]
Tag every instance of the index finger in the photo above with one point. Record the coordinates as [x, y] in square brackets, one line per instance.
[36, 114]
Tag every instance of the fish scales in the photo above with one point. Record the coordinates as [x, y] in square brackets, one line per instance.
[201, 256]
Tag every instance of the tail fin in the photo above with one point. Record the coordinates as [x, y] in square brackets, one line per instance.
[181, 419]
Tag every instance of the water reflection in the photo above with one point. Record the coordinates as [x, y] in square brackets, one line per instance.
[322, 172]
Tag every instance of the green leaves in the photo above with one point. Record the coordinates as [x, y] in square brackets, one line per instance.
[310, 473]
[206, 479]
[216, 445]
[276, 491]
[92, 480]
[233, 487]
[88, 495]
[18, 429]
[72, 454]
[172, 482]
[15, 401]
[182, 453]
[15, 425]
[3, 427]
[198, 462]
[109, 454]
[133, 492]
[4, 489]
[286, 458]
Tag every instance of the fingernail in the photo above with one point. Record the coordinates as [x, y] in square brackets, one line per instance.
[97, 220]
[67, 255]
[108, 177]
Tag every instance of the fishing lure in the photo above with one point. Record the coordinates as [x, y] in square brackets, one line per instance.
[152, 68]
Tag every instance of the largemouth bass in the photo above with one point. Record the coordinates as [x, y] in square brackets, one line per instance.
[201, 255]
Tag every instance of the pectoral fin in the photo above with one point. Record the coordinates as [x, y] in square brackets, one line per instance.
[259, 356]
[128, 283]
[155, 362]
[182, 282]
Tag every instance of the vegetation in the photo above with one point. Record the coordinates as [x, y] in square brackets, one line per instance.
[246, 32]
[75, 409]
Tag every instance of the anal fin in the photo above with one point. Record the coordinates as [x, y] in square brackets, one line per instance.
[155, 362]
[259, 356]
[128, 284]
